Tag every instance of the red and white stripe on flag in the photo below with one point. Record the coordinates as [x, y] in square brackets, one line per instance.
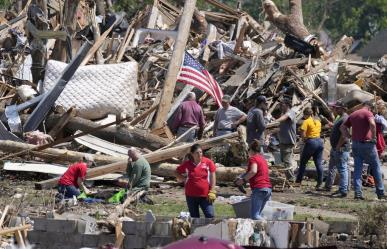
[193, 73]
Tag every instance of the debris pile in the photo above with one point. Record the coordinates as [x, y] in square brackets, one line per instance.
[77, 79]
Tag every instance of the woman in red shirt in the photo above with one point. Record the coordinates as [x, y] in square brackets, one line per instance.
[258, 176]
[200, 180]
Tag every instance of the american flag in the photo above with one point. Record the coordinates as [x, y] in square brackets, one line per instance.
[193, 73]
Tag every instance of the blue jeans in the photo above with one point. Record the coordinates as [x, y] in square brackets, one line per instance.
[313, 147]
[366, 152]
[69, 191]
[193, 204]
[339, 160]
[189, 137]
[259, 197]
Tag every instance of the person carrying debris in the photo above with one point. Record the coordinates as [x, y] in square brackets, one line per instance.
[287, 136]
[227, 118]
[339, 153]
[313, 146]
[138, 172]
[198, 173]
[72, 180]
[256, 123]
[188, 115]
[363, 126]
[258, 176]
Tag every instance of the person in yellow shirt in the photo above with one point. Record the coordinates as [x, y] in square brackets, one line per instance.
[313, 146]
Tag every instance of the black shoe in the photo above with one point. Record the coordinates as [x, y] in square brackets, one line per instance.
[382, 197]
[327, 189]
[339, 194]
[319, 187]
[359, 197]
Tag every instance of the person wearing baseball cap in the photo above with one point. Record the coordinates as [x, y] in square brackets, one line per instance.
[227, 118]
[339, 153]
[287, 136]
[256, 123]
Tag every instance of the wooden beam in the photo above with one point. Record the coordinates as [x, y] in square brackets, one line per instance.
[224, 7]
[3, 215]
[62, 122]
[175, 63]
[97, 44]
[152, 157]
[91, 129]
[15, 229]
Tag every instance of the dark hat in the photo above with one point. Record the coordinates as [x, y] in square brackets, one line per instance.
[226, 98]
[261, 99]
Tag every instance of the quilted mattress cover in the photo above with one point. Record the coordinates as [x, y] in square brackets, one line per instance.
[96, 90]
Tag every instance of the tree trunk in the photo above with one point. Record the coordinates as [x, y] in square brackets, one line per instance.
[153, 157]
[69, 22]
[223, 174]
[292, 23]
[38, 46]
[100, 7]
[134, 137]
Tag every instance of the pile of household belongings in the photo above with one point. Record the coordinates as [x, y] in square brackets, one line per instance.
[70, 69]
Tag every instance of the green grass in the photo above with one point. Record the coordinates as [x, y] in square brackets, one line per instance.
[173, 208]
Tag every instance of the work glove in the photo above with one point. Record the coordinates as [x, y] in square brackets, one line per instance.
[211, 196]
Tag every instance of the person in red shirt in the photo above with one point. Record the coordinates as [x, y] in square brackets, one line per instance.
[72, 180]
[199, 175]
[363, 137]
[258, 176]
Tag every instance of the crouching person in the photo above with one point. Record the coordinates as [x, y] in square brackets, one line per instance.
[198, 173]
[258, 176]
[138, 172]
[71, 182]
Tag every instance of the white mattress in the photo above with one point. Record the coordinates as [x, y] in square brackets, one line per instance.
[96, 90]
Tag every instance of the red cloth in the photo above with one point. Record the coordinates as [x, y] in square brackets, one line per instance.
[380, 143]
[359, 121]
[188, 114]
[72, 173]
[261, 179]
[198, 177]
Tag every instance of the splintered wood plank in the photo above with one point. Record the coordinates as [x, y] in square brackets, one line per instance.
[62, 122]
[101, 145]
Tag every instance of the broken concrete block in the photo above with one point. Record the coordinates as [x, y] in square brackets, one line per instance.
[104, 239]
[61, 226]
[162, 229]
[90, 240]
[134, 241]
[157, 241]
[136, 227]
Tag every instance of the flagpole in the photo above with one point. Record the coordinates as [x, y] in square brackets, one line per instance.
[175, 63]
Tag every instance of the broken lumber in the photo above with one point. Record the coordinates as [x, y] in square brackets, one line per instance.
[175, 63]
[152, 157]
[121, 135]
[15, 229]
[54, 155]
